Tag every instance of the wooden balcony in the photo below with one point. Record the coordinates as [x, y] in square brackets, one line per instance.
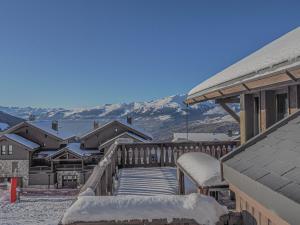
[157, 154]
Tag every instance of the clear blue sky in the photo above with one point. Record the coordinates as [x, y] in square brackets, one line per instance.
[87, 53]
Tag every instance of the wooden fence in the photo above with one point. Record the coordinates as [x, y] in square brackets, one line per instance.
[157, 154]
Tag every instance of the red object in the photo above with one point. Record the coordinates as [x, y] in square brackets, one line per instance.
[13, 189]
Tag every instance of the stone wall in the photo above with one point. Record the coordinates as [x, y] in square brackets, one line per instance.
[22, 170]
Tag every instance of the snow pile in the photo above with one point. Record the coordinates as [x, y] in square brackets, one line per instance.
[203, 209]
[46, 210]
[203, 168]
[3, 126]
[284, 48]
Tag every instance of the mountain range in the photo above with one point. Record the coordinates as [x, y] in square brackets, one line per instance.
[160, 117]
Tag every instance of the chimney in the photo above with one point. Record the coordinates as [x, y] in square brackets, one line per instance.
[31, 117]
[129, 120]
[55, 125]
[96, 124]
[229, 133]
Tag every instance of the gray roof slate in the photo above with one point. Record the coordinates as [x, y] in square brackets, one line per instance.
[274, 161]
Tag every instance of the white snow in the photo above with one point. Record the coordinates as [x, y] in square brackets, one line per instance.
[205, 210]
[46, 126]
[87, 192]
[284, 48]
[22, 141]
[147, 181]
[201, 137]
[75, 147]
[122, 138]
[34, 210]
[164, 117]
[203, 168]
[134, 129]
[3, 126]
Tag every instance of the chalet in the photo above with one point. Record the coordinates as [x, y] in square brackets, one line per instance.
[264, 171]
[41, 155]
[102, 137]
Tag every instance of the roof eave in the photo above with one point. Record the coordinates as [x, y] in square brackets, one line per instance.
[217, 91]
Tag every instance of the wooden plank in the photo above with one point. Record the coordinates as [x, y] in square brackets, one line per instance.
[233, 99]
[294, 98]
[283, 77]
[234, 89]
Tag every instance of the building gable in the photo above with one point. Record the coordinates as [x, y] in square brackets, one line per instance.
[37, 135]
[109, 131]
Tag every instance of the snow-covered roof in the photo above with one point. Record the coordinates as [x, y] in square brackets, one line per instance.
[202, 137]
[203, 209]
[139, 131]
[23, 141]
[75, 148]
[3, 126]
[44, 153]
[201, 168]
[114, 139]
[281, 52]
[46, 126]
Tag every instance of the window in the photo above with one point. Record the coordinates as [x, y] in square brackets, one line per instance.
[26, 131]
[14, 167]
[281, 106]
[3, 150]
[10, 149]
[46, 135]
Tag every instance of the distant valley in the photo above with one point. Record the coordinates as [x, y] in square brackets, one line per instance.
[160, 117]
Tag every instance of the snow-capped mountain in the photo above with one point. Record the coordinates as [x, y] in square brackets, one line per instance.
[154, 116]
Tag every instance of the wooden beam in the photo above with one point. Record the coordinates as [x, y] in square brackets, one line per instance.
[291, 75]
[228, 100]
[230, 111]
[245, 86]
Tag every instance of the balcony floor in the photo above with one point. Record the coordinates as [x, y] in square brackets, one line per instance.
[147, 181]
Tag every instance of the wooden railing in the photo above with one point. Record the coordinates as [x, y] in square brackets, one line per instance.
[146, 155]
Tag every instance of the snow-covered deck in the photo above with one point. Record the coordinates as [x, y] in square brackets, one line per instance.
[147, 181]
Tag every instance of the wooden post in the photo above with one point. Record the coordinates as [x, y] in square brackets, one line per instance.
[162, 155]
[246, 117]
[109, 179]
[294, 98]
[123, 156]
[82, 165]
[267, 109]
[181, 188]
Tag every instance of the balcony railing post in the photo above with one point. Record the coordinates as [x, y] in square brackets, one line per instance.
[123, 156]
[162, 155]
